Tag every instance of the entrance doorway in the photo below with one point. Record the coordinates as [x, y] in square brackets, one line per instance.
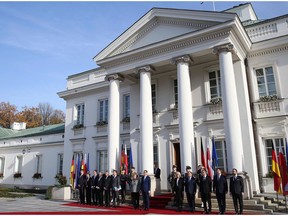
[177, 159]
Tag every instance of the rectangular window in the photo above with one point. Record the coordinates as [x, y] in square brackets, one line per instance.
[18, 164]
[126, 106]
[60, 164]
[155, 154]
[220, 146]
[102, 161]
[103, 110]
[266, 81]
[153, 92]
[215, 84]
[2, 165]
[38, 163]
[268, 145]
[80, 114]
[176, 93]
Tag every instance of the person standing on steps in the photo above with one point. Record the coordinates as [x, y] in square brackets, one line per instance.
[220, 187]
[237, 191]
[205, 190]
[179, 188]
[145, 189]
[190, 189]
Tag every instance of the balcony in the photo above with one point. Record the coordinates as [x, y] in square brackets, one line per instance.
[214, 112]
[125, 126]
[266, 109]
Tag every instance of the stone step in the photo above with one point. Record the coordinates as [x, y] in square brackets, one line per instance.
[228, 209]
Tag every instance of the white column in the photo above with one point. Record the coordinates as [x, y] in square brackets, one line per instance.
[113, 121]
[230, 105]
[185, 113]
[146, 119]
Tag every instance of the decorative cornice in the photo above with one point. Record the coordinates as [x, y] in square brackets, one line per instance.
[181, 59]
[223, 48]
[167, 48]
[269, 51]
[114, 77]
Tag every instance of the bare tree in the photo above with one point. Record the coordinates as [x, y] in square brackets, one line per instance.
[46, 111]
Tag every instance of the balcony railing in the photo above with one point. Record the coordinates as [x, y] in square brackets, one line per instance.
[102, 129]
[126, 126]
[214, 111]
[263, 109]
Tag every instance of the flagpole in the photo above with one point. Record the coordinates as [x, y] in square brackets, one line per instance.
[277, 201]
[285, 203]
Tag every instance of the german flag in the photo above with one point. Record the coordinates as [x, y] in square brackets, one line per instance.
[276, 171]
[72, 173]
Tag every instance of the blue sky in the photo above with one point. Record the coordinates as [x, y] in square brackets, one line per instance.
[42, 43]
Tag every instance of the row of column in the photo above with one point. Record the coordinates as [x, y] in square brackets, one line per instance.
[232, 125]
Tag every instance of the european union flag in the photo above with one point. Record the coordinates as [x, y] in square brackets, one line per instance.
[214, 155]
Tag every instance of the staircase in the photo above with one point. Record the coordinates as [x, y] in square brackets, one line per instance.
[255, 206]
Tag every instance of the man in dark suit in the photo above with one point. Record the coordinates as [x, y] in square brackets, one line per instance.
[220, 187]
[190, 189]
[123, 181]
[205, 190]
[157, 171]
[116, 187]
[99, 189]
[178, 188]
[237, 191]
[94, 181]
[107, 188]
[145, 189]
[82, 184]
[88, 188]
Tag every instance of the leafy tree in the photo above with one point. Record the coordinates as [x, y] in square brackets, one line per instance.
[7, 114]
[31, 116]
[44, 114]
[58, 116]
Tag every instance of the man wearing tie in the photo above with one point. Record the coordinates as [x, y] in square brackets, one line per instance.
[237, 191]
[206, 189]
[220, 187]
[145, 189]
[190, 189]
[179, 188]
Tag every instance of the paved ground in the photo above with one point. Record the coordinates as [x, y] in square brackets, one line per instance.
[39, 204]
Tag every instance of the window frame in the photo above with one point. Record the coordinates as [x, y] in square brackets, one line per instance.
[102, 162]
[266, 83]
[19, 160]
[60, 163]
[218, 83]
[80, 114]
[126, 107]
[103, 110]
[2, 165]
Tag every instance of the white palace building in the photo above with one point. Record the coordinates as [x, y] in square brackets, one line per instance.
[176, 77]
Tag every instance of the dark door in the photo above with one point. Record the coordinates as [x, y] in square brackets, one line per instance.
[177, 159]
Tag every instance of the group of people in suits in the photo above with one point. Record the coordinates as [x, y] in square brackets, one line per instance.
[101, 189]
[218, 185]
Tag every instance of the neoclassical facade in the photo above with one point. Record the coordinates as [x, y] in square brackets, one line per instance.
[177, 78]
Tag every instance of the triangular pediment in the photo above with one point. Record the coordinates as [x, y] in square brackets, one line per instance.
[160, 25]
